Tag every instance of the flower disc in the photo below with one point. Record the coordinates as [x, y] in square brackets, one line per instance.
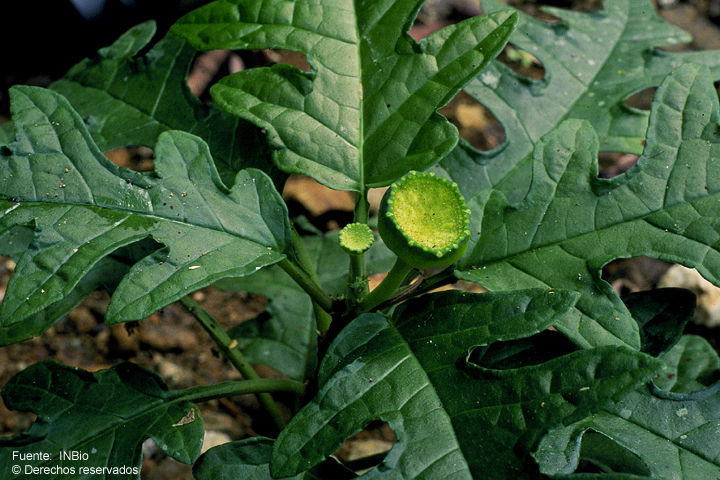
[424, 220]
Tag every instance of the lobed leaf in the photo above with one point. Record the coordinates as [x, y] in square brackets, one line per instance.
[593, 62]
[649, 432]
[118, 409]
[366, 114]
[106, 273]
[82, 208]
[571, 223]
[453, 418]
[130, 98]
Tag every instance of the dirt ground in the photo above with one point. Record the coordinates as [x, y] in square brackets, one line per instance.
[171, 343]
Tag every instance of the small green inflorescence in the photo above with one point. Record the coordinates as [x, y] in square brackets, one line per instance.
[356, 238]
[424, 220]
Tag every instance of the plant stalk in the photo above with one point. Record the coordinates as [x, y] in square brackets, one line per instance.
[323, 318]
[358, 279]
[387, 287]
[362, 208]
[308, 284]
[358, 275]
[303, 258]
[203, 393]
[229, 350]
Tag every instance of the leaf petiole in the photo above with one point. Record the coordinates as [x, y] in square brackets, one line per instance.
[301, 254]
[323, 317]
[357, 281]
[307, 283]
[387, 287]
[203, 393]
[228, 348]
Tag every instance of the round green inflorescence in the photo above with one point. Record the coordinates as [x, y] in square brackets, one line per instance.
[424, 220]
[356, 238]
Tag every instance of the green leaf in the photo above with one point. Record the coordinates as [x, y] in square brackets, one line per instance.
[82, 208]
[117, 408]
[366, 114]
[692, 365]
[453, 418]
[650, 432]
[130, 99]
[244, 460]
[593, 62]
[661, 315]
[106, 273]
[285, 336]
[249, 459]
[7, 133]
[571, 223]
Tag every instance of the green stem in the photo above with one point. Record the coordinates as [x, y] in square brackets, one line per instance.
[302, 256]
[323, 318]
[204, 393]
[308, 284]
[387, 287]
[362, 207]
[356, 264]
[358, 275]
[358, 278]
[228, 348]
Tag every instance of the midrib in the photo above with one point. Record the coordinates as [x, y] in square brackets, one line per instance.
[361, 109]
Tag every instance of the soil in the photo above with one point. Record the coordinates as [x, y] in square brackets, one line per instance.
[171, 343]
